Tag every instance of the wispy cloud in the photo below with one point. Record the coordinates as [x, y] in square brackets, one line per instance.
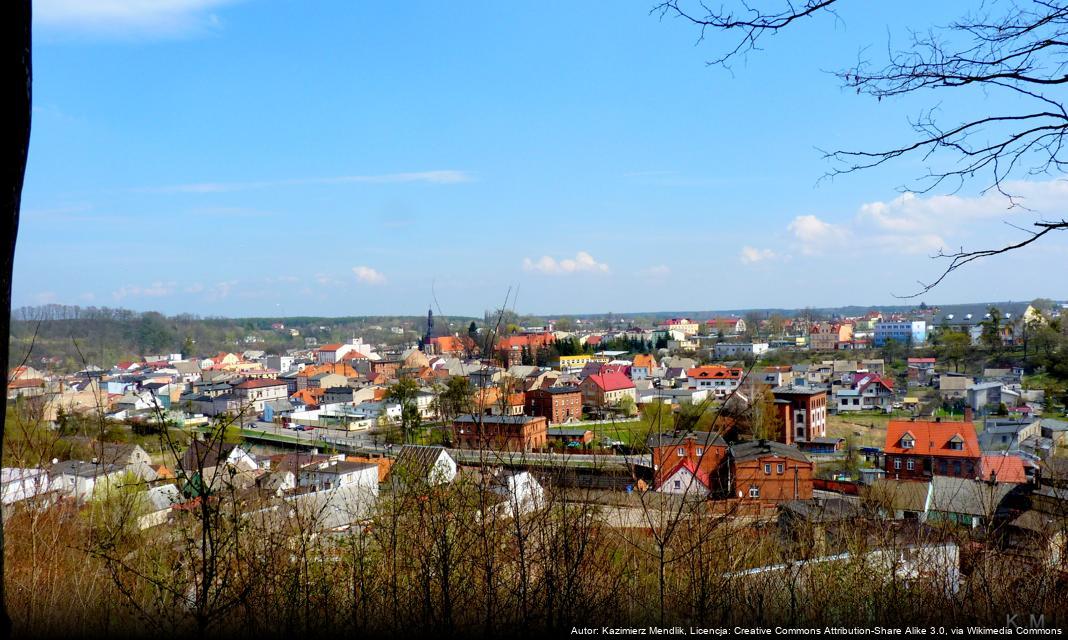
[155, 290]
[367, 275]
[912, 223]
[751, 255]
[129, 18]
[581, 263]
[447, 176]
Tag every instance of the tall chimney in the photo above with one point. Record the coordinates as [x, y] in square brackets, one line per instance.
[967, 413]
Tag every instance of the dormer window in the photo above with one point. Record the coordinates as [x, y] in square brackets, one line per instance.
[907, 441]
[956, 443]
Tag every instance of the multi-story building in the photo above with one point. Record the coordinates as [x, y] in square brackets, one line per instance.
[909, 332]
[739, 349]
[722, 381]
[503, 433]
[256, 392]
[868, 392]
[607, 389]
[555, 404]
[642, 367]
[685, 325]
[829, 336]
[727, 325]
[770, 472]
[803, 410]
[687, 462]
[917, 450]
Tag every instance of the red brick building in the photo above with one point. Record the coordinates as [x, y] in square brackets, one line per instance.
[704, 450]
[555, 404]
[917, 450]
[502, 433]
[803, 411]
[770, 472]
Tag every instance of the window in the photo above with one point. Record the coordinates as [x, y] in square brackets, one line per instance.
[767, 469]
[780, 468]
[678, 484]
[907, 442]
[897, 463]
[911, 465]
[700, 451]
[681, 452]
[754, 491]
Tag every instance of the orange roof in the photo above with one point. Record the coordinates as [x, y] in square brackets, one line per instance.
[932, 438]
[337, 367]
[308, 396]
[446, 344]
[714, 372]
[354, 355]
[1004, 468]
[26, 383]
[644, 360]
[330, 347]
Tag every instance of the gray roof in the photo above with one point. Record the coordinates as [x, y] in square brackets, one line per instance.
[829, 510]
[163, 497]
[568, 431]
[759, 448]
[671, 439]
[967, 496]
[418, 460]
[84, 469]
[978, 312]
[480, 419]
[901, 495]
[806, 390]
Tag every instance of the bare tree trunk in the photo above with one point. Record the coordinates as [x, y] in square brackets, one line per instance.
[18, 69]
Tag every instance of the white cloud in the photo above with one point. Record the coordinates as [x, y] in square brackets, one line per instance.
[166, 18]
[443, 176]
[815, 235]
[220, 290]
[750, 255]
[155, 290]
[367, 275]
[917, 224]
[582, 262]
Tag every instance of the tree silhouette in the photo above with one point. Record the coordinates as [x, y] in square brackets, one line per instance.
[1011, 50]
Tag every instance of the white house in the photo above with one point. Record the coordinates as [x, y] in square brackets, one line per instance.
[521, 493]
[20, 484]
[739, 349]
[339, 474]
[78, 479]
[686, 480]
[432, 464]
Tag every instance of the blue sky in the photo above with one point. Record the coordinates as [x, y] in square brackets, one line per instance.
[340, 158]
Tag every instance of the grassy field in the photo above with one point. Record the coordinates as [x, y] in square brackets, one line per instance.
[865, 430]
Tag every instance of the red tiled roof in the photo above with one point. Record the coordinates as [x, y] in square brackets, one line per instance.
[611, 381]
[26, 383]
[1004, 468]
[330, 347]
[686, 463]
[932, 438]
[874, 378]
[714, 372]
